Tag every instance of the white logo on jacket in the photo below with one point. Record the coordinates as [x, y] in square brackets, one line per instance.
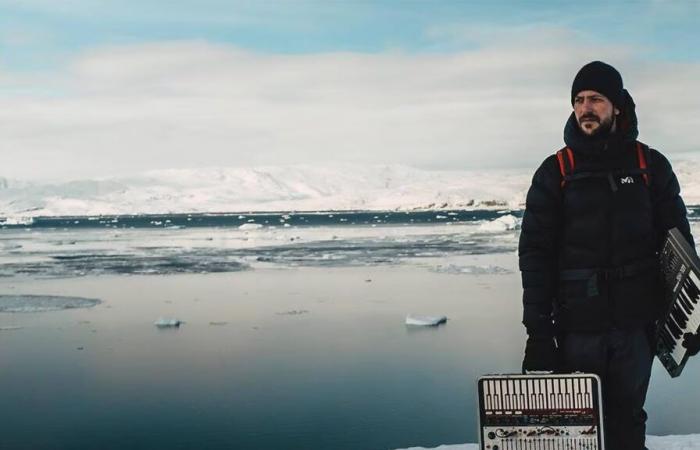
[627, 180]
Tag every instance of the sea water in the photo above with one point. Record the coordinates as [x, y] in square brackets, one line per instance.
[293, 337]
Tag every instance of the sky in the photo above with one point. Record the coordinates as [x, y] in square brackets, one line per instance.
[105, 88]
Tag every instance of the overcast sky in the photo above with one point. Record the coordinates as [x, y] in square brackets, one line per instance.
[100, 88]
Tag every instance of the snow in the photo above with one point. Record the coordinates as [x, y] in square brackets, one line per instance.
[425, 321]
[331, 187]
[270, 188]
[671, 442]
[285, 188]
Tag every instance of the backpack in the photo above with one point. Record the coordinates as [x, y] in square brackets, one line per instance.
[567, 164]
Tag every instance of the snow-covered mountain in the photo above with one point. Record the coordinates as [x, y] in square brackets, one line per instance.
[283, 188]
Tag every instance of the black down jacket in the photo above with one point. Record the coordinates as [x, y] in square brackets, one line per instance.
[588, 249]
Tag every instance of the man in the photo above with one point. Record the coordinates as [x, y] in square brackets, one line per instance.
[595, 218]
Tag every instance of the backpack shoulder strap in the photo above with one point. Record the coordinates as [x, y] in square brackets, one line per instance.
[565, 157]
[644, 158]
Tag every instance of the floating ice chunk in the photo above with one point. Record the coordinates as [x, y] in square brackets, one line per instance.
[250, 226]
[17, 220]
[167, 323]
[503, 223]
[425, 321]
[43, 303]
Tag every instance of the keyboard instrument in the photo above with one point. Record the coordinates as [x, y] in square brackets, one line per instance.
[681, 270]
[533, 412]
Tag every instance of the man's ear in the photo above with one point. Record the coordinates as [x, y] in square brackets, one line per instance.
[616, 111]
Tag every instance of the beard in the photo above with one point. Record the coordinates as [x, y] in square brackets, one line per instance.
[604, 125]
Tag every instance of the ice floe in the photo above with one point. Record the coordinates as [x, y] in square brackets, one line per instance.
[162, 322]
[250, 226]
[425, 321]
[503, 223]
[135, 261]
[42, 303]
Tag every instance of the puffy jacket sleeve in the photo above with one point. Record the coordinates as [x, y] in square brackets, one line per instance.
[537, 249]
[669, 209]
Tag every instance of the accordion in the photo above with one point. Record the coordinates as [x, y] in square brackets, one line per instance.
[528, 412]
[681, 272]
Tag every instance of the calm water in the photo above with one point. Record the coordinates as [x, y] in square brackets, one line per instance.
[308, 349]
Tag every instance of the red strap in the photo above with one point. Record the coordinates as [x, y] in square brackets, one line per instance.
[562, 170]
[571, 157]
[642, 161]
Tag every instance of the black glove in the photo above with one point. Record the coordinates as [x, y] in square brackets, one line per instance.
[540, 354]
[692, 343]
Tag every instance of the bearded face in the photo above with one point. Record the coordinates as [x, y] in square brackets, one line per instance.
[593, 125]
[595, 114]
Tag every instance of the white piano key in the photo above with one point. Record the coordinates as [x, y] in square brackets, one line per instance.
[497, 390]
[486, 389]
[589, 395]
[513, 395]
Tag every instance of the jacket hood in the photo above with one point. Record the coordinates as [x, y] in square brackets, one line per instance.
[626, 131]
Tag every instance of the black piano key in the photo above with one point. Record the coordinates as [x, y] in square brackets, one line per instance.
[672, 342]
[667, 339]
[686, 298]
[673, 328]
[683, 322]
[680, 317]
[691, 290]
[684, 303]
[672, 321]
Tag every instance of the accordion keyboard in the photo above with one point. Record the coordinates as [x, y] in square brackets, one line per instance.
[681, 270]
[557, 412]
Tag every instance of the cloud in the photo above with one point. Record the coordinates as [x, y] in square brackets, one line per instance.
[185, 104]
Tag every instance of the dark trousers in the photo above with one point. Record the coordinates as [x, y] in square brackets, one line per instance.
[622, 360]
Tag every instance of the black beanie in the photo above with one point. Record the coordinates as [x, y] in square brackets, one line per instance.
[600, 77]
